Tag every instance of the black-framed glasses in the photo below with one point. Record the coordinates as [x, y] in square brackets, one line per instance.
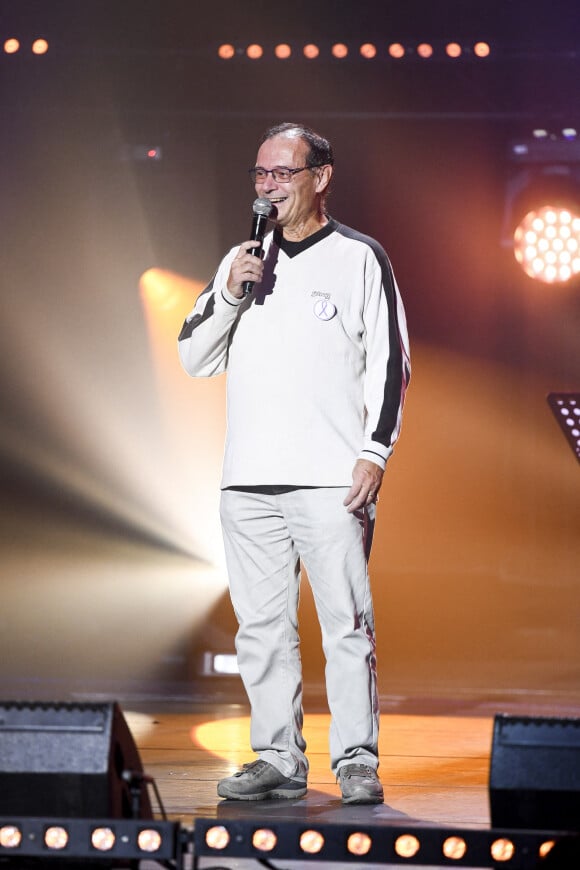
[278, 173]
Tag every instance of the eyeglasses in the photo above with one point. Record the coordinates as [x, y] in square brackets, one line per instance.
[278, 173]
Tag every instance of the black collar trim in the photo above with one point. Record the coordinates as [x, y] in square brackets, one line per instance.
[291, 249]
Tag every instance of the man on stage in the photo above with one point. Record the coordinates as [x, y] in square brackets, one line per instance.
[317, 358]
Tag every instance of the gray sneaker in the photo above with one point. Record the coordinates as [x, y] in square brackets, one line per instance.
[259, 781]
[359, 784]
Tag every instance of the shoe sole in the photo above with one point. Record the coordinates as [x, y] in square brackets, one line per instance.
[363, 799]
[273, 794]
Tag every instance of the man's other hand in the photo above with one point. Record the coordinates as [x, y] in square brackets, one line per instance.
[367, 478]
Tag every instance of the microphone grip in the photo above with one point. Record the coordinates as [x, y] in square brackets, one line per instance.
[258, 232]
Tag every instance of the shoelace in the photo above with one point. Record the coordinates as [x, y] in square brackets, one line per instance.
[357, 770]
[258, 764]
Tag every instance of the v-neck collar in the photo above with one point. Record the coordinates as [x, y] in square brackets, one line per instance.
[292, 249]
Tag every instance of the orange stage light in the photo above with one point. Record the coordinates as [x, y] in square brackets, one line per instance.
[283, 51]
[454, 848]
[254, 51]
[217, 837]
[10, 836]
[502, 850]
[407, 846]
[149, 840]
[311, 51]
[396, 50]
[368, 50]
[39, 46]
[359, 843]
[481, 49]
[56, 837]
[11, 46]
[339, 50]
[264, 840]
[453, 49]
[546, 847]
[226, 51]
[425, 50]
[103, 839]
[311, 842]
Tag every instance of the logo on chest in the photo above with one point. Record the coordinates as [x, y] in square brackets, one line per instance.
[323, 307]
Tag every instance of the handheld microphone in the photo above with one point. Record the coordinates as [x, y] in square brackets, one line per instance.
[262, 209]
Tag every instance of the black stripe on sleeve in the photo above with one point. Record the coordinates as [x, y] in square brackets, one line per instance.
[397, 374]
[197, 319]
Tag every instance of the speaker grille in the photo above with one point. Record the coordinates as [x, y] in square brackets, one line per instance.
[535, 773]
[67, 759]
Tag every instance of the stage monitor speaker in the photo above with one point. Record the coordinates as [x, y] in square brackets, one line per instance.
[69, 760]
[534, 777]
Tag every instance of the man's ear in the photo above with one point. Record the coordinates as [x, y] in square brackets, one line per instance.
[324, 175]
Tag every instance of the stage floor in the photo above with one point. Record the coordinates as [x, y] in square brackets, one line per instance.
[434, 767]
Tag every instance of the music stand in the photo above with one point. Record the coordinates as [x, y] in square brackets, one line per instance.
[566, 409]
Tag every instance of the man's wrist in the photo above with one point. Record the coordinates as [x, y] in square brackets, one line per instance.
[230, 298]
[375, 456]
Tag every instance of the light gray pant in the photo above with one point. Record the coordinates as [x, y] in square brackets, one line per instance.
[265, 538]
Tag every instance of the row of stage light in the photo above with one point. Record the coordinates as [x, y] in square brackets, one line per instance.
[49, 841]
[343, 51]
[311, 50]
[121, 839]
[13, 46]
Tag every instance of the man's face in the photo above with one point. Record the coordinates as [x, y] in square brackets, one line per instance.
[297, 200]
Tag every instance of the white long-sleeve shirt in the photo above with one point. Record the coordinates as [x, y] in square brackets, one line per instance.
[317, 360]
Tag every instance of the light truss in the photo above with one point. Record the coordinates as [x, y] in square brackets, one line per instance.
[386, 844]
[57, 842]
[60, 841]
